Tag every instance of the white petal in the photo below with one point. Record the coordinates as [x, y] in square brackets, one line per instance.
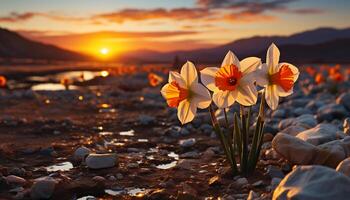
[294, 69]
[247, 94]
[189, 73]
[250, 64]
[208, 77]
[262, 75]
[272, 58]
[186, 111]
[282, 93]
[271, 96]
[201, 96]
[229, 59]
[224, 99]
[175, 76]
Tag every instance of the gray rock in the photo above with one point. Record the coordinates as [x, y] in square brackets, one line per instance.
[313, 182]
[280, 113]
[80, 153]
[335, 151]
[190, 154]
[43, 188]
[275, 182]
[320, 134]
[240, 182]
[184, 131]
[344, 99]
[100, 161]
[331, 111]
[344, 167]
[274, 172]
[294, 149]
[301, 111]
[313, 105]
[146, 119]
[293, 130]
[187, 142]
[16, 180]
[298, 102]
[346, 126]
[305, 120]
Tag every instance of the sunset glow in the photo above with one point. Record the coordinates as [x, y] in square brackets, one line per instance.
[104, 51]
[88, 27]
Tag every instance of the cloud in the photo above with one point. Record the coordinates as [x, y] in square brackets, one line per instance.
[248, 17]
[249, 5]
[19, 17]
[16, 17]
[306, 11]
[159, 13]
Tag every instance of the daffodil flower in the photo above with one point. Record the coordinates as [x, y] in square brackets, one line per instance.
[233, 81]
[185, 93]
[277, 78]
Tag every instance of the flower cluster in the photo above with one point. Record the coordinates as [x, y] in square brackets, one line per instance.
[234, 81]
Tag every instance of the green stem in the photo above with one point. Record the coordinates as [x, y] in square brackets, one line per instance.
[244, 140]
[223, 141]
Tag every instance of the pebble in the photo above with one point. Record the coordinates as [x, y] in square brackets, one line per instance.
[43, 188]
[344, 167]
[258, 183]
[187, 142]
[190, 154]
[274, 172]
[146, 119]
[331, 111]
[16, 180]
[275, 182]
[294, 130]
[252, 195]
[294, 149]
[344, 99]
[100, 161]
[80, 153]
[240, 182]
[98, 179]
[313, 182]
[320, 134]
[346, 126]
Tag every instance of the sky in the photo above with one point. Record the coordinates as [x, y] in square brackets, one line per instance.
[116, 26]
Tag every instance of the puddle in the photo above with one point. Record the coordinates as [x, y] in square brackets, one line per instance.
[167, 166]
[107, 110]
[51, 87]
[105, 133]
[127, 133]
[142, 140]
[135, 192]
[173, 155]
[65, 166]
[87, 198]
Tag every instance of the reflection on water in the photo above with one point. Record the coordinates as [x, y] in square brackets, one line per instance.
[127, 133]
[167, 166]
[65, 166]
[135, 192]
[51, 87]
[87, 198]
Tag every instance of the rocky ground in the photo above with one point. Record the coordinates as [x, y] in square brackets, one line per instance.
[115, 138]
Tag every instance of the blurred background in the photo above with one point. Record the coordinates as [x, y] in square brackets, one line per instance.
[160, 31]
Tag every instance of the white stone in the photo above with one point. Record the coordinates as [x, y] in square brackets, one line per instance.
[313, 182]
[100, 161]
[320, 134]
[80, 153]
[187, 142]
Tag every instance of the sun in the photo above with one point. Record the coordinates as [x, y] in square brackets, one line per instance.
[104, 51]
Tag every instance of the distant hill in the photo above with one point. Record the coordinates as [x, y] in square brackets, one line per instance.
[12, 45]
[253, 46]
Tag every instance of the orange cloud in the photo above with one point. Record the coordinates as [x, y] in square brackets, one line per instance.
[159, 13]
